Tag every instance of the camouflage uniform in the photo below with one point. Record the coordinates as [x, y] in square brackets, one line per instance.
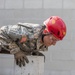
[11, 35]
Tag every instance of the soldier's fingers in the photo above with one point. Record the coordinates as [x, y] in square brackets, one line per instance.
[19, 62]
[22, 61]
[26, 59]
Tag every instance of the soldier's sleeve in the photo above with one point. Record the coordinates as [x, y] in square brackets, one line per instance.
[16, 32]
[19, 35]
[13, 48]
[7, 35]
[11, 31]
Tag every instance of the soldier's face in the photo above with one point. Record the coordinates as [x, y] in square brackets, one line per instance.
[50, 40]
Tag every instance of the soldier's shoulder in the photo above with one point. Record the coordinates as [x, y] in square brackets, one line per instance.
[30, 25]
[4, 28]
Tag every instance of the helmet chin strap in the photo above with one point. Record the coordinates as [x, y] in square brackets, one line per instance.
[43, 37]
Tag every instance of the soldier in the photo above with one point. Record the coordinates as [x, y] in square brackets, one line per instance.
[28, 39]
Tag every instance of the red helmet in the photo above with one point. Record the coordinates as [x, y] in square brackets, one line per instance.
[56, 26]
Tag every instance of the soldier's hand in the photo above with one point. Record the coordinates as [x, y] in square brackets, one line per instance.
[21, 58]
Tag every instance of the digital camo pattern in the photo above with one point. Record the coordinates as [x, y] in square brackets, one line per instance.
[33, 32]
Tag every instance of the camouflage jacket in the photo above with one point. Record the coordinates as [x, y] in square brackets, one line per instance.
[31, 32]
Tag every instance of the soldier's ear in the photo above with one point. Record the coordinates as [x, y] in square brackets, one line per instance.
[45, 31]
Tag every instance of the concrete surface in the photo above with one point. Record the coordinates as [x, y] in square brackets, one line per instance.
[8, 66]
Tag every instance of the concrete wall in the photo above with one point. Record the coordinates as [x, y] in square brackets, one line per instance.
[60, 59]
[34, 67]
